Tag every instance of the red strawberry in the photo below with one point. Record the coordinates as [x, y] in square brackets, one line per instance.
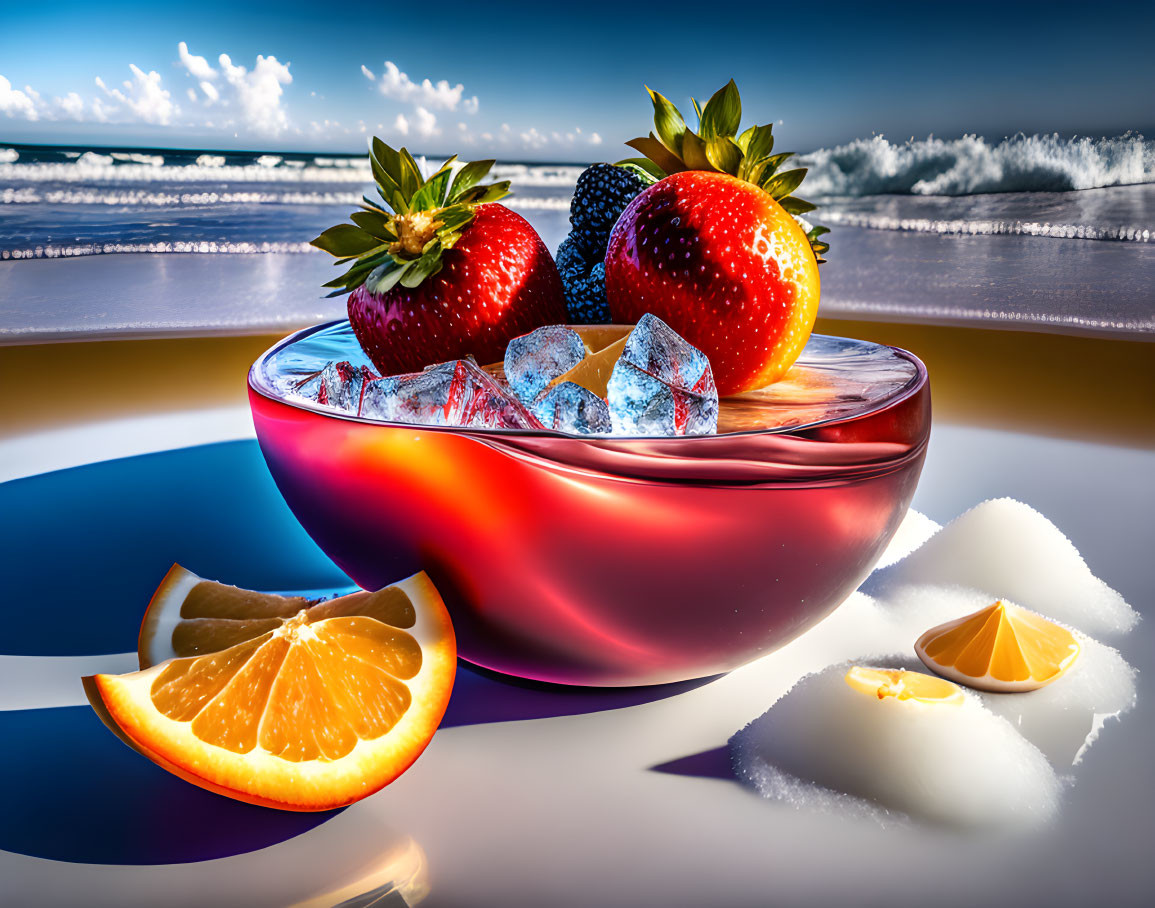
[447, 273]
[713, 249]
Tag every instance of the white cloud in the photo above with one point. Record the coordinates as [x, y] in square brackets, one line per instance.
[144, 96]
[259, 92]
[71, 106]
[401, 125]
[198, 67]
[426, 122]
[398, 86]
[595, 139]
[368, 73]
[210, 91]
[16, 103]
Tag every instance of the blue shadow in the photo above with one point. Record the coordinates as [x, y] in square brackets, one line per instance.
[82, 550]
[73, 792]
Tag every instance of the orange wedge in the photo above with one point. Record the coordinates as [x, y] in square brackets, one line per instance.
[282, 702]
[1001, 648]
[593, 373]
[902, 685]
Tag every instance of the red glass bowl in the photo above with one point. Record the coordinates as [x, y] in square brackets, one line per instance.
[609, 561]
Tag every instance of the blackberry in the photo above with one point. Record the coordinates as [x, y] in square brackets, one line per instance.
[585, 294]
[570, 258]
[601, 195]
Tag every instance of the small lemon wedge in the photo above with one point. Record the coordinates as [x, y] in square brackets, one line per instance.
[1002, 648]
[903, 685]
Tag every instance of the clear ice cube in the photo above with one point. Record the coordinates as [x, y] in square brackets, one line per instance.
[337, 385]
[568, 407]
[661, 385]
[456, 393]
[533, 360]
[342, 385]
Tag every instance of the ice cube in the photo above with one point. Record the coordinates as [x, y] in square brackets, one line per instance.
[568, 407]
[533, 360]
[342, 386]
[456, 393]
[661, 385]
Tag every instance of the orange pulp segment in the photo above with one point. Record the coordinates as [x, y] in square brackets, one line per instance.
[311, 707]
[593, 372]
[902, 685]
[1001, 648]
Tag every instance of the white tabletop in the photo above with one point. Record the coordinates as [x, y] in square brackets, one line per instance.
[520, 801]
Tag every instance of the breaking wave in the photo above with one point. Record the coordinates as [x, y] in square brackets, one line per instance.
[973, 165]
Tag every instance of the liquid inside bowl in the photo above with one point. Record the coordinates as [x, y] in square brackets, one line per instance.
[600, 560]
[834, 378]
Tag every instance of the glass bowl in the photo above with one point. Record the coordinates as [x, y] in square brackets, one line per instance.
[613, 561]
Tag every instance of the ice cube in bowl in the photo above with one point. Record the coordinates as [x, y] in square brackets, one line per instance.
[586, 559]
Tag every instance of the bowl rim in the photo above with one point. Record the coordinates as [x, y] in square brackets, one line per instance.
[912, 387]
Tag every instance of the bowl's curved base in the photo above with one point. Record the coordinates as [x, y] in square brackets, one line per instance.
[606, 562]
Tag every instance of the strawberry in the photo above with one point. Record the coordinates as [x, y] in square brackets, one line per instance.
[444, 274]
[713, 248]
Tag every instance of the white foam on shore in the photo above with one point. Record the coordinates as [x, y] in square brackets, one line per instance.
[1047, 163]
[987, 226]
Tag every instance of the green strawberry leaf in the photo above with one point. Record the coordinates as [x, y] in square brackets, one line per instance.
[420, 269]
[345, 240]
[411, 178]
[658, 153]
[430, 195]
[375, 224]
[724, 154]
[761, 142]
[722, 114]
[781, 185]
[468, 177]
[643, 168]
[668, 122]
[698, 112]
[385, 277]
[795, 205]
[694, 153]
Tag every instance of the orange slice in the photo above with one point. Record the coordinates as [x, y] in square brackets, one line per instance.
[902, 685]
[1001, 648]
[593, 372]
[280, 702]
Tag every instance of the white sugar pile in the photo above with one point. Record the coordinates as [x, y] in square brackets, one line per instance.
[954, 764]
[1009, 550]
[809, 751]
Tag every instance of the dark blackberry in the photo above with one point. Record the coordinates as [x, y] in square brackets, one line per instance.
[585, 295]
[601, 195]
[571, 258]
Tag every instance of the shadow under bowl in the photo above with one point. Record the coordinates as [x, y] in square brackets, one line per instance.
[613, 561]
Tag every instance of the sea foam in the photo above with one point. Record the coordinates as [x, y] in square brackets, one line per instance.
[1047, 163]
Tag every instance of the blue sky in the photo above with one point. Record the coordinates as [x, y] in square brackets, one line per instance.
[558, 81]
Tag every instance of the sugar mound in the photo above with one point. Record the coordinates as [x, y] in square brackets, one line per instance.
[1008, 550]
[959, 765]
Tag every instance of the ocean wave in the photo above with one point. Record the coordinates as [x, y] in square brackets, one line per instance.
[972, 165]
[52, 251]
[964, 227]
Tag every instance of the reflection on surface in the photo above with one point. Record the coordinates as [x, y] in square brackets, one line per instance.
[398, 879]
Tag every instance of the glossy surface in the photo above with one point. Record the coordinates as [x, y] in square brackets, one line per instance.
[611, 561]
[720, 262]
